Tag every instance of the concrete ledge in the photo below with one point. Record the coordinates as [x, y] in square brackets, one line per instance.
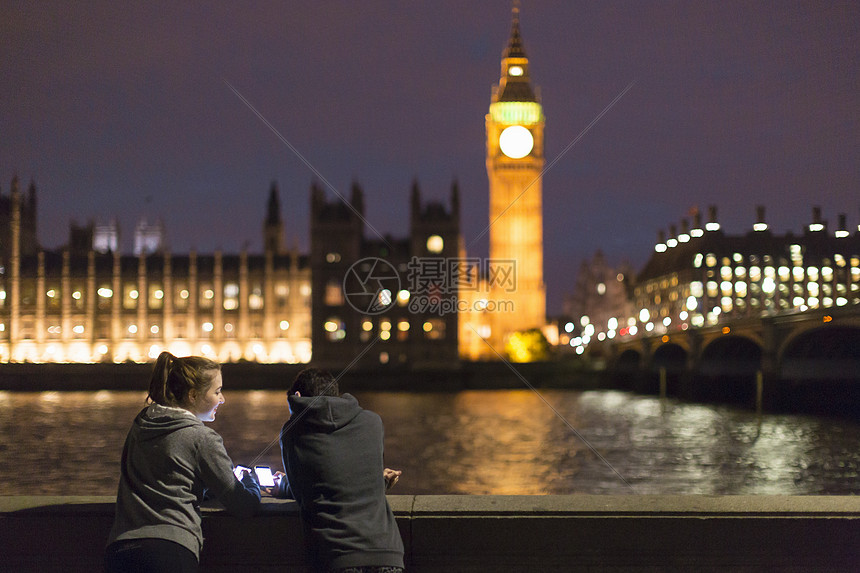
[488, 533]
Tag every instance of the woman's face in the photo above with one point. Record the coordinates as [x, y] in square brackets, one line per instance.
[205, 404]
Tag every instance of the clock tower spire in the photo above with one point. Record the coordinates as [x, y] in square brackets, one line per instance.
[515, 162]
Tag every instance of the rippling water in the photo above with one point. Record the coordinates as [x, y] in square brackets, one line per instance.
[474, 442]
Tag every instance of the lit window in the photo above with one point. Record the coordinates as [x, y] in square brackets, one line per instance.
[713, 289]
[755, 274]
[156, 296]
[333, 293]
[255, 299]
[231, 296]
[335, 329]
[384, 298]
[403, 297]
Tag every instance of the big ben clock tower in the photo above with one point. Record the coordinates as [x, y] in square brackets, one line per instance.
[515, 161]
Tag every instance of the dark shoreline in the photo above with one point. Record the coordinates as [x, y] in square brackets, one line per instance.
[252, 376]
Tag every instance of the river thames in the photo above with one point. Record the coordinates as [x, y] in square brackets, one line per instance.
[469, 442]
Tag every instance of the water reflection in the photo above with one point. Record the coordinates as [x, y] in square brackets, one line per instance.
[479, 442]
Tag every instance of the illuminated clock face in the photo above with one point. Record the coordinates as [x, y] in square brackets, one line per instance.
[516, 141]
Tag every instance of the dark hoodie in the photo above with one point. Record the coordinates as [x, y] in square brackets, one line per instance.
[332, 451]
[169, 461]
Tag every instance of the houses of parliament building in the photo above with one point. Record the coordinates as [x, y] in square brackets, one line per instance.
[87, 302]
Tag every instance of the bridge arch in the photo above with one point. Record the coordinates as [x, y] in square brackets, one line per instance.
[731, 355]
[669, 358]
[727, 370]
[626, 371]
[826, 352]
[820, 369]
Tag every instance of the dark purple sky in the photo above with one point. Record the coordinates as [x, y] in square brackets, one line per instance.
[122, 111]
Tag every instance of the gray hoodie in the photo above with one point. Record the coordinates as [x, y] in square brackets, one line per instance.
[169, 461]
[332, 450]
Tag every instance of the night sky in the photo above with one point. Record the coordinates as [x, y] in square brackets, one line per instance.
[122, 111]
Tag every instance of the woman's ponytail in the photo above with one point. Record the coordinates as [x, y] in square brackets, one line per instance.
[158, 384]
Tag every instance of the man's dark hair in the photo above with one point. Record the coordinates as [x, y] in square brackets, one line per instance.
[315, 382]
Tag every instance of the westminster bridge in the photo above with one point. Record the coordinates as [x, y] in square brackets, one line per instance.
[793, 360]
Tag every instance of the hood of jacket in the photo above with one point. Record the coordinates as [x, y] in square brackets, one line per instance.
[323, 413]
[155, 421]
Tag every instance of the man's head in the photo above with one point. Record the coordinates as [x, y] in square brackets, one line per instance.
[314, 382]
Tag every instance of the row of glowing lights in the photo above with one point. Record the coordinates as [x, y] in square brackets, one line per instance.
[798, 273]
[230, 292]
[154, 329]
[589, 331]
[673, 242]
[335, 326]
[155, 349]
[632, 328]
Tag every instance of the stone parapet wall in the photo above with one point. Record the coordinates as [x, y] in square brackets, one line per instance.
[487, 533]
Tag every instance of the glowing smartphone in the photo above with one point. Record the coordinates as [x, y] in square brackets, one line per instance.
[264, 476]
[237, 471]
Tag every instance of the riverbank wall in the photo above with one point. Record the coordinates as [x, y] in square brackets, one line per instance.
[473, 534]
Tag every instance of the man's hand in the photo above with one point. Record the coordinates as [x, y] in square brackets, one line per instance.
[391, 477]
[276, 477]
